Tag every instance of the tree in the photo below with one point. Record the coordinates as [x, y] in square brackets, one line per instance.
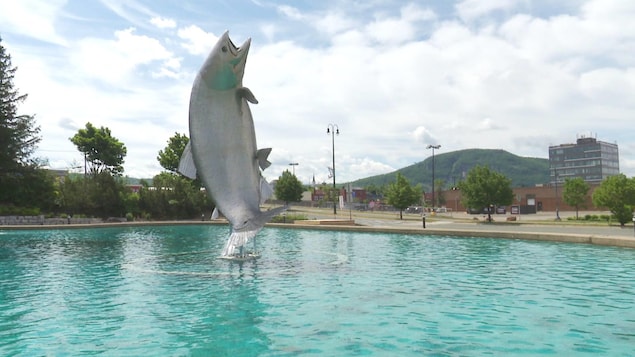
[374, 189]
[22, 182]
[173, 197]
[401, 194]
[289, 188]
[617, 193]
[18, 133]
[99, 195]
[575, 193]
[485, 188]
[101, 149]
[28, 187]
[170, 156]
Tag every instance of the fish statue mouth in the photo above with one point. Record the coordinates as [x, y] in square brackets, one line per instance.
[233, 49]
[239, 52]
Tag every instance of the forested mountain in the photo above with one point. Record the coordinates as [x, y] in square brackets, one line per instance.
[451, 167]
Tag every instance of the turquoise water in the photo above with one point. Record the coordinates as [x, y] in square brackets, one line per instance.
[160, 291]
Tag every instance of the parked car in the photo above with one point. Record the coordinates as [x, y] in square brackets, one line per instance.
[484, 210]
[413, 209]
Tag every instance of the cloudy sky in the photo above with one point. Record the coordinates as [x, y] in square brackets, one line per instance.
[394, 76]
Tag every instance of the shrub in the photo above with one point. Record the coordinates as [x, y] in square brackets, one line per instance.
[288, 218]
[10, 210]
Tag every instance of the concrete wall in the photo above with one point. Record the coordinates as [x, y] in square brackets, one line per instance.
[40, 220]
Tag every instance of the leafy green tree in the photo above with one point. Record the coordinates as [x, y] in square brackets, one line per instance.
[575, 193]
[401, 194]
[72, 195]
[18, 133]
[485, 188]
[28, 187]
[173, 197]
[374, 189]
[289, 188]
[22, 182]
[101, 149]
[617, 193]
[170, 156]
[107, 195]
[330, 194]
[99, 195]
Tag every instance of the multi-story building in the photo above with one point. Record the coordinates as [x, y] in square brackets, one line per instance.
[588, 158]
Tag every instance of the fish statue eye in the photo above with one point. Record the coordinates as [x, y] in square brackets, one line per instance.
[224, 49]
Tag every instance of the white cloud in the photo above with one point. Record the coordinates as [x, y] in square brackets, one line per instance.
[198, 42]
[394, 31]
[488, 124]
[424, 136]
[269, 30]
[366, 167]
[114, 61]
[397, 30]
[290, 12]
[394, 79]
[33, 18]
[412, 12]
[333, 23]
[132, 11]
[163, 23]
[440, 85]
[469, 10]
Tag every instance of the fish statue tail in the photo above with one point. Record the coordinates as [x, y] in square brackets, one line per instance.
[240, 237]
[237, 240]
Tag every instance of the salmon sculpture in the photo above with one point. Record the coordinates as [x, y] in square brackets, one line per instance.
[222, 149]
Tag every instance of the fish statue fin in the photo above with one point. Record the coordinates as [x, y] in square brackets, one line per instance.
[244, 92]
[215, 213]
[261, 156]
[186, 165]
[266, 216]
[265, 190]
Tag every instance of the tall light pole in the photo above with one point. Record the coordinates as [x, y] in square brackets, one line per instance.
[333, 129]
[293, 165]
[433, 147]
[555, 170]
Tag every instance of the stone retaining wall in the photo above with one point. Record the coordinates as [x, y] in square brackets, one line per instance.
[40, 220]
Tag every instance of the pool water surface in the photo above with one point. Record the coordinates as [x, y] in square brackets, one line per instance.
[159, 291]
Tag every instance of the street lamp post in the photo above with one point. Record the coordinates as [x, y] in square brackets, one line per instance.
[555, 170]
[293, 165]
[333, 129]
[433, 147]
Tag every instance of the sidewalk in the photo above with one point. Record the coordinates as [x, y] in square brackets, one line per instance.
[540, 226]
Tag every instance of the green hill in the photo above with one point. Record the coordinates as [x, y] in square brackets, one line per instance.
[451, 167]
